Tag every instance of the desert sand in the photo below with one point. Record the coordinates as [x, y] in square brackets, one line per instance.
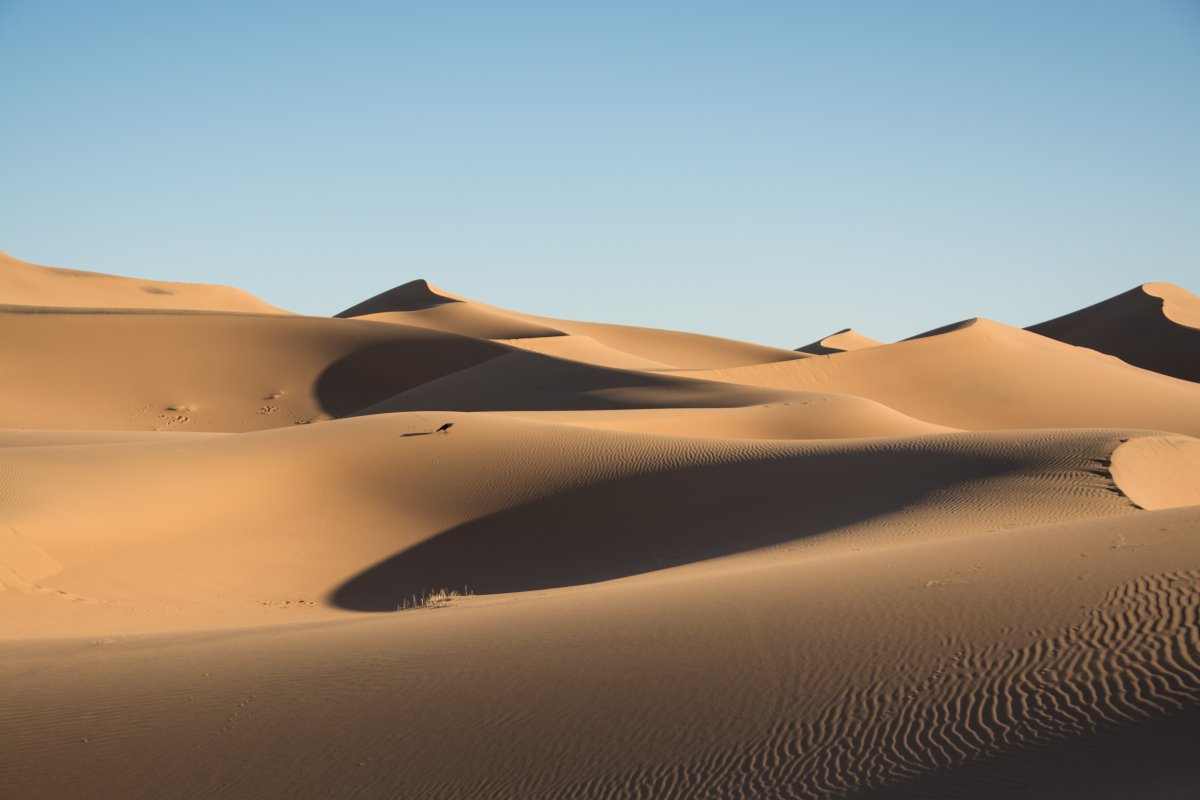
[430, 547]
[839, 342]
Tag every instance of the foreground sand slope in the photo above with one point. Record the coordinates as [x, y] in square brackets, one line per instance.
[1042, 662]
[364, 514]
[420, 303]
[22, 283]
[980, 375]
[1155, 326]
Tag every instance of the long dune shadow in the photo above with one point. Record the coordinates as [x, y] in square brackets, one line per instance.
[383, 369]
[647, 522]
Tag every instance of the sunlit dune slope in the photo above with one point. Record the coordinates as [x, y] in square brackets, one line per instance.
[984, 375]
[840, 342]
[22, 283]
[435, 307]
[1159, 471]
[801, 416]
[202, 371]
[362, 514]
[1155, 326]
[1044, 662]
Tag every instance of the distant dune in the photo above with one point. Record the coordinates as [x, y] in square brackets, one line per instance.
[435, 548]
[1155, 326]
[840, 342]
[433, 307]
[981, 375]
[27, 284]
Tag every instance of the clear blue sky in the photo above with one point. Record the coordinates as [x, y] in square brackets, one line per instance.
[769, 171]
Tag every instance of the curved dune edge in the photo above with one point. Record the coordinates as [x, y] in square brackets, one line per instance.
[1155, 326]
[371, 511]
[840, 342]
[1178, 304]
[435, 307]
[1157, 472]
[984, 375]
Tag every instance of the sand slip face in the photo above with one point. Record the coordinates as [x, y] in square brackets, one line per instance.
[199, 371]
[435, 307]
[840, 342]
[983, 375]
[1155, 326]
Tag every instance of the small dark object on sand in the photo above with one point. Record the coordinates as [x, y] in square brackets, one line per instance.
[444, 428]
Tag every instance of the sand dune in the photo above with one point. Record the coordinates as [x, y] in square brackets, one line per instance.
[840, 342]
[1021, 664]
[27, 284]
[804, 416]
[1155, 326]
[981, 375]
[208, 371]
[1159, 471]
[421, 511]
[516, 556]
[673, 348]
[530, 381]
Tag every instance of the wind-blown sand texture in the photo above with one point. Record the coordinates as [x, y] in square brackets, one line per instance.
[239, 559]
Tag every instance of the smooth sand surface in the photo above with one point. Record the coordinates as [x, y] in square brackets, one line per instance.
[1155, 326]
[456, 314]
[982, 375]
[22, 283]
[840, 342]
[511, 556]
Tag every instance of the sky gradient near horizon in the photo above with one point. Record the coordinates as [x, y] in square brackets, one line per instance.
[768, 171]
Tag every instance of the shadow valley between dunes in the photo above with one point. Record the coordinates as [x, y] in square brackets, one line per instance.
[643, 522]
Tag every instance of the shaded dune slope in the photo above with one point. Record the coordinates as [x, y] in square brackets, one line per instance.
[932, 682]
[672, 348]
[1155, 326]
[209, 371]
[522, 381]
[840, 342]
[981, 374]
[366, 513]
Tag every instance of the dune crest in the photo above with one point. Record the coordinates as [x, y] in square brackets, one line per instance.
[674, 349]
[979, 374]
[1155, 326]
[840, 342]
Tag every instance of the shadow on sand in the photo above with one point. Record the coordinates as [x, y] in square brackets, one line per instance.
[647, 522]
[384, 369]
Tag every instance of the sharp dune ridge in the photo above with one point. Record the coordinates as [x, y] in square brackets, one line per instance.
[431, 547]
[1155, 326]
[839, 342]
